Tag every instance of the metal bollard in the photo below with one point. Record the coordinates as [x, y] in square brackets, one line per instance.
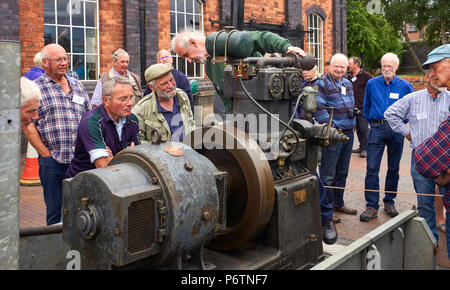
[9, 153]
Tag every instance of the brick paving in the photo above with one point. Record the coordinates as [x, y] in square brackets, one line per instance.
[32, 207]
[352, 228]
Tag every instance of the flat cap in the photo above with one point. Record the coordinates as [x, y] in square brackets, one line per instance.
[155, 71]
[437, 54]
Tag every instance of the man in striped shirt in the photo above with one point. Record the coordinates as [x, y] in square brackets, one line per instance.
[425, 110]
[64, 101]
[334, 90]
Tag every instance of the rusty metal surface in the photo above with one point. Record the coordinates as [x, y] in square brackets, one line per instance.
[189, 189]
[250, 194]
[107, 216]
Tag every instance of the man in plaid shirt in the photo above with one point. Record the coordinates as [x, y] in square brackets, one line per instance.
[432, 161]
[431, 157]
[64, 101]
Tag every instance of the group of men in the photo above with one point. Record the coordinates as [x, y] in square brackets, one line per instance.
[72, 134]
[387, 103]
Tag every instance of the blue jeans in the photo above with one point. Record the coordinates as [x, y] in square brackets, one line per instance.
[326, 210]
[334, 170]
[425, 204]
[52, 174]
[381, 135]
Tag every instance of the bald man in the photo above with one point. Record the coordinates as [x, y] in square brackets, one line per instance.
[64, 101]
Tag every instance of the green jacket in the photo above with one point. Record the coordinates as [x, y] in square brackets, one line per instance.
[264, 41]
[146, 110]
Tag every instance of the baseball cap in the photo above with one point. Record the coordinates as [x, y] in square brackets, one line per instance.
[437, 54]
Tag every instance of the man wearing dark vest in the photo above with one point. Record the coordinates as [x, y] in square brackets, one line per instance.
[121, 60]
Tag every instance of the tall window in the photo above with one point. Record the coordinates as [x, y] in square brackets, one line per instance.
[315, 39]
[74, 25]
[186, 14]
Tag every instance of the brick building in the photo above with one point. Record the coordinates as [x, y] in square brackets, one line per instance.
[91, 30]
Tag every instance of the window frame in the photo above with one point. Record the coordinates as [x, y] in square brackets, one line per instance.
[174, 11]
[84, 27]
[312, 42]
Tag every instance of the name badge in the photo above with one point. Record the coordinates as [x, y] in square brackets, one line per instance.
[343, 90]
[353, 79]
[421, 116]
[393, 96]
[77, 99]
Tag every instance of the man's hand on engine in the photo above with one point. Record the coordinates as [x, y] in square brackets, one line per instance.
[296, 50]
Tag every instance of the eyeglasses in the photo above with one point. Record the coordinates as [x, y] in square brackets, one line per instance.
[165, 57]
[59, 60]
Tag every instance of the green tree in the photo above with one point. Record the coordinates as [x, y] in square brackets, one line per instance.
[432, 14]
[369, 36]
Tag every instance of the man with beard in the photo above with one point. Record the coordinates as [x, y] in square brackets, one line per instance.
[180, 78]
[167, 108]
[107, 130]
[425, 110]
[382, 92]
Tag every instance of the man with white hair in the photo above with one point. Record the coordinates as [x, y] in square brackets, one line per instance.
[29, 102]
[64, 101]
[334, 90]
[121, 60]
[37, 70]
[382, 92]
[190, 45]
[425, 110]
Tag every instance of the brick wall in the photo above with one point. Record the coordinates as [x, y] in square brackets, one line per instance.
[419, 83]
[9, 20]
[164, 24]
[31, 31]
[327, 12]
[211, 10]
[265, 11]
[111, 31]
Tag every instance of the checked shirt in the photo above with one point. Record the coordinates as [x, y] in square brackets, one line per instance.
[60, 114]
[432, 156]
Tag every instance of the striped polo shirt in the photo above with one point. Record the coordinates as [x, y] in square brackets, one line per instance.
[96, 131]
[339, 95]
[423, 112]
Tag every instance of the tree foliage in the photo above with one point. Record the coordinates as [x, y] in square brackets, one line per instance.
[370, 36]
[432, 14]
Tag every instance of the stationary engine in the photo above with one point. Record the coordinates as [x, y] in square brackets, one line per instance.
[239, 194]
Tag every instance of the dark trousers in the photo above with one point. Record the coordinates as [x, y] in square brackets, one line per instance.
[326, 210]
[362, 130]
[381, 135]
[334, 170]
[52, 174]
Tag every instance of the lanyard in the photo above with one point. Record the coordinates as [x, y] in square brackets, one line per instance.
[329, 77]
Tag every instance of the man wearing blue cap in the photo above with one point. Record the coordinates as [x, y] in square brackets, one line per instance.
[425, 110]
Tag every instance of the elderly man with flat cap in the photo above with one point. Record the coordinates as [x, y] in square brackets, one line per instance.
[167, 108]
[425, 110]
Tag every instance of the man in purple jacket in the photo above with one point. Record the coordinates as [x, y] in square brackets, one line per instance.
[106, 130]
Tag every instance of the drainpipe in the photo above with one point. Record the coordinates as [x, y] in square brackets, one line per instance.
[142, 40]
